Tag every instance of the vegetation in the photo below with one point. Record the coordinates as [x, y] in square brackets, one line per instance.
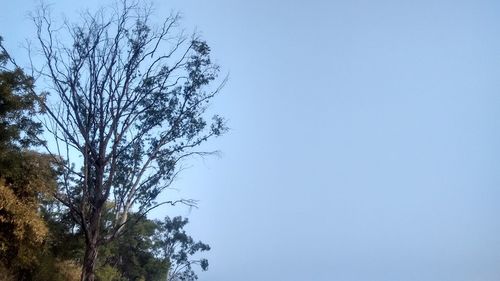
[25, 175]
[129, 100]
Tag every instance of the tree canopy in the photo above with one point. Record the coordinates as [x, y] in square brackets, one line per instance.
[125, 101]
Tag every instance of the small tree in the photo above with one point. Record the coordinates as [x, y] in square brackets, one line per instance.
[129, 100]
[178, 248]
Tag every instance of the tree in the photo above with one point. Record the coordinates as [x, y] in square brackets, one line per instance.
[18, 105]
[25, 176]
[133, 254]
[154, 250]
[178, 248]
[129, 99]
[149, 250]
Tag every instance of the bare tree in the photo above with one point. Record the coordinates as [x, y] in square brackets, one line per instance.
[129, 99]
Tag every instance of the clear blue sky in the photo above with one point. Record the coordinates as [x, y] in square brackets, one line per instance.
[365, 140]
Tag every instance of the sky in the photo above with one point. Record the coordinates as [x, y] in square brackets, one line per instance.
[364, 142]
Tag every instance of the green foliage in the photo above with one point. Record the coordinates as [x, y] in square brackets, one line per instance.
[26, 177]
[154, 250]
[149, 250]
[133, 253]
[176, 246]
[18, 104]
[51, 268]
[108, 273]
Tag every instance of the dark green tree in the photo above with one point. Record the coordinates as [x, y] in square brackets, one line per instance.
[149, 250]
[179, 249]
[129, 100]
[154, 250]
[132, 254]
[26, 177]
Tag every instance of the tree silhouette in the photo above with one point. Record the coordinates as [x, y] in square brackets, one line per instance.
[128, 98]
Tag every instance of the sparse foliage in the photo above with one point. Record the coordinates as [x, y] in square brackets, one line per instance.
[178, 248]
[128, 98]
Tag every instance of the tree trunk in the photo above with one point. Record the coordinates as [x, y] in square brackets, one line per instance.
[89, 262]
[91, 246]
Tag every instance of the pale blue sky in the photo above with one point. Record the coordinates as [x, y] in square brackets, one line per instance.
[365, 141]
